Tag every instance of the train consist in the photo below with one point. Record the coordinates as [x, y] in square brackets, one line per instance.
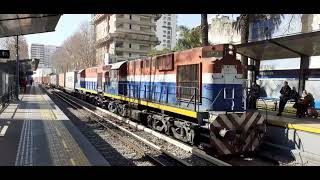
[196, 96]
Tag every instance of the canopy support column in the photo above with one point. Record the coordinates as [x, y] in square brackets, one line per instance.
[304, 66]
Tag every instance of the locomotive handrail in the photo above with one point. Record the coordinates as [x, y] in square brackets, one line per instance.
[216, 98]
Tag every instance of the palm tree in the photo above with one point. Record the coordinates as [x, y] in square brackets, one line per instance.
[242, 26]
[204, 30]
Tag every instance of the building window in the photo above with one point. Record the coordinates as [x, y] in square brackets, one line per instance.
[129, 54]
[129, 45]
[164, 22]
[164, 35]
[169, 23]
[164, 18]
[130, 26]
[145, 19]
[120, 15]
[164, 45]
[119, 53]
[119, 25]
[168, 41]
[164, 31]
[169, 18]
[130, 16]
[145, 28]
[168, 32]
[119, 44]
[145, 47]
[169, 14]
[168, 37]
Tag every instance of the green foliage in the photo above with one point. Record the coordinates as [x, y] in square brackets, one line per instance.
[189, 38]
[155, 52]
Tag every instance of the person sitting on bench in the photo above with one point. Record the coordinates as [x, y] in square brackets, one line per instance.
[304, 103]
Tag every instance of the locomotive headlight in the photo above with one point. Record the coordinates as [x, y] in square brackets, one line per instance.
[231, 47]
[231, 52]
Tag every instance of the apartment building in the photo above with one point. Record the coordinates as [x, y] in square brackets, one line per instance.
[121, 37]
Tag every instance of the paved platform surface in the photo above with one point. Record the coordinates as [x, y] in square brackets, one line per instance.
[307, 124]
[35, 132]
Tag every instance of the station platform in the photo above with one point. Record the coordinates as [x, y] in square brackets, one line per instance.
[290, 121]
[35, 132]
[296, 138]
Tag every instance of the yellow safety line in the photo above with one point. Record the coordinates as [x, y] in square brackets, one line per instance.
[294, 126]
[64, 144]
[185, 112]
[72, 162]
[58, 132]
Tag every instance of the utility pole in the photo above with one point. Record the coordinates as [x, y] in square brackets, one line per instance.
[17, 69]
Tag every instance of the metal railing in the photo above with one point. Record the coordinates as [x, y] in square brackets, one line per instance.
[163, 94]
[7, 97]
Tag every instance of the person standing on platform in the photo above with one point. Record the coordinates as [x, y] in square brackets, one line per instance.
[254, 95]
[284, 97]
[24, 85]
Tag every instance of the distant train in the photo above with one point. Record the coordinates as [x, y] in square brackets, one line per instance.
[196, 96]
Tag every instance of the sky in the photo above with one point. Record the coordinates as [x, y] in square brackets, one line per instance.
[69, 23]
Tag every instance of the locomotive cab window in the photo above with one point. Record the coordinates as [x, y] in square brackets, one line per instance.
[188, 82]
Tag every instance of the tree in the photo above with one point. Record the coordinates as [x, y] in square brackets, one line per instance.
[204, 30]
[242, 26]
[10, 43]
[190, 38]
[155, 52]
[76, 52]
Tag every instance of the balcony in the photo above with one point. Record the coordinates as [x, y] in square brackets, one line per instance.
[131, 50]
[131, 21]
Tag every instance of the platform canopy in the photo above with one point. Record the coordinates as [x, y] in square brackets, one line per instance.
[23, 24]
[294, 46]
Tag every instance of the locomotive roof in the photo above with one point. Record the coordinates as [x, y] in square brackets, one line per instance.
[117, 65]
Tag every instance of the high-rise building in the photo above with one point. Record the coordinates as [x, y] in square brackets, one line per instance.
[37, 52]
[167, 31]
[43, 53]
[121, 37]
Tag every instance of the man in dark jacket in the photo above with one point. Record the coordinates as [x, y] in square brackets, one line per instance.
[254, 95]
[285, 96]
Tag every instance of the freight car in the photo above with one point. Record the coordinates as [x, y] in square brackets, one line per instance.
[54, 80]
[61, 84]
[196, 96]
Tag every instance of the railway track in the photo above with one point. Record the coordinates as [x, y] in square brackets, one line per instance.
[147, 154]
[168, 147]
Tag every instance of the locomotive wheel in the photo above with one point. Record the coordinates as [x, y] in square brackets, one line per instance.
[122, 110]
[112, 107]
